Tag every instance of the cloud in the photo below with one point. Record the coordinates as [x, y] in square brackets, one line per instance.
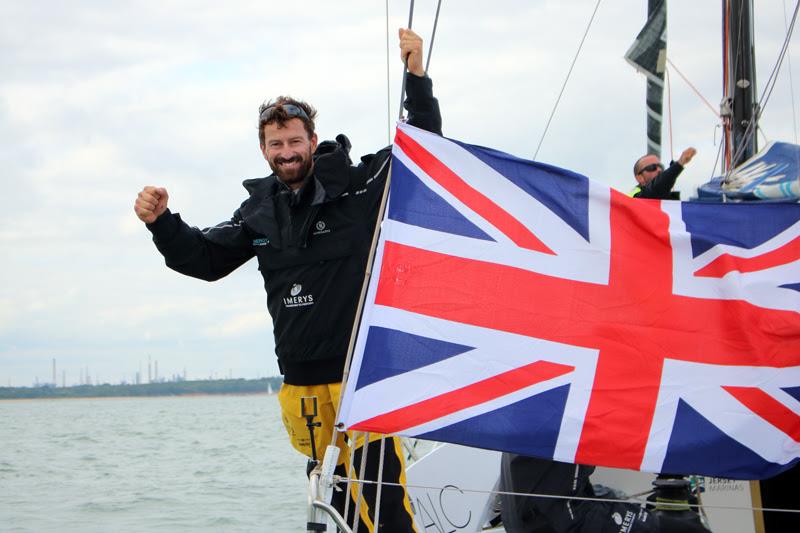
[98, 99]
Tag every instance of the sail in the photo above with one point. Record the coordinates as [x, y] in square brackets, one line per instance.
[648, 55]
[771, 174]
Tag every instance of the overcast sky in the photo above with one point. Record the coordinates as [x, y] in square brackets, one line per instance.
[98, 99]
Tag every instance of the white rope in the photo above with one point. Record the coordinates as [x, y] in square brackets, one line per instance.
[582, 498]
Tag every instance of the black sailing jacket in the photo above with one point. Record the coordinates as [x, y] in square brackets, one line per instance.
[660, 187]
[312, 247]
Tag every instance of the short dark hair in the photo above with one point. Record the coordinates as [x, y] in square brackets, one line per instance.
[274, 111]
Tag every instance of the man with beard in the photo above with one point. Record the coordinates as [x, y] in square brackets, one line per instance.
[310, 225]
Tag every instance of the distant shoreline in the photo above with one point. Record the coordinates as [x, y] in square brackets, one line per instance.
[228, 387]
[154, 396]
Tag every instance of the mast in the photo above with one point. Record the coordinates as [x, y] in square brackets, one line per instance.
[739, 108]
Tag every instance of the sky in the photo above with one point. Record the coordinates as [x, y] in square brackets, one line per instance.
[98, 99]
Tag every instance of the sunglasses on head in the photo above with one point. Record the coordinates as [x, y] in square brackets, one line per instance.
[291, 110]
[651, 168]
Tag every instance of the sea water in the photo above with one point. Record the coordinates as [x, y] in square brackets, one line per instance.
[199, 463]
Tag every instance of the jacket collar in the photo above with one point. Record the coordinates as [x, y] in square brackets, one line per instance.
[331, 179]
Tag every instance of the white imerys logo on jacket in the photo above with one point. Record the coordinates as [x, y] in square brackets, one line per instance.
[295, 299]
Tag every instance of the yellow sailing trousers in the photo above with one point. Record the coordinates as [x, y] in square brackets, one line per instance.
[395, 508]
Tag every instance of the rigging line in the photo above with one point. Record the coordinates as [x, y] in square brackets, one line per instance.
[564, 86]
[411, 449]
[583, 498]
[362, 468]
[433, 35]
[693, 88]
[370, 259]
[377, 520]
[791, 78]
[730, 82]
[351, 467]
[773, 77]
[769, 86]
[727, 53]
[791, 89]
[388, 82]
[720, 159]
[405, 62]
[669, 114]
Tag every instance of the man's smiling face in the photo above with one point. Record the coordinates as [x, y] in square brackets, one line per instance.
[289, 150]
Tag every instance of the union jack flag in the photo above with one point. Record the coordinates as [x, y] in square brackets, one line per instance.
[521, 307]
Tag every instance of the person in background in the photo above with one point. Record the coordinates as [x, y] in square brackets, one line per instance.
[655, 182]
[310, 225]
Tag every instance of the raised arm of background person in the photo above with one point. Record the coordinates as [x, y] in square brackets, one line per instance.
[686, 156]
[660, 187]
